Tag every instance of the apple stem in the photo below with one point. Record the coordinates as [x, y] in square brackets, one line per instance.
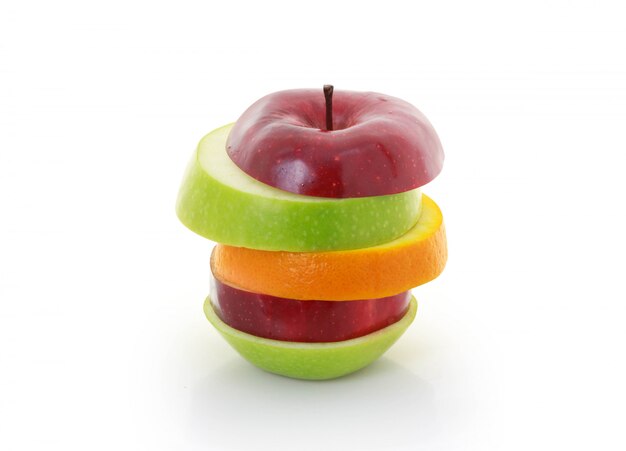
[328, 95]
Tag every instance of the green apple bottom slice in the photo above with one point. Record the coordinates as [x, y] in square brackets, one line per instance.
[219, 201]
[313, 361]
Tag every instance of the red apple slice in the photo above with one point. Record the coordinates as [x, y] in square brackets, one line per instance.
[379, 144]
[304, 321]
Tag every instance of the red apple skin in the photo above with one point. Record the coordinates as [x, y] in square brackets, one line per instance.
[305, 321]
[379, 144]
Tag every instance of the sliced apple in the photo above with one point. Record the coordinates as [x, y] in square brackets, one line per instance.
[309, 321]
[358, 144]
[218, 201]
[312, 360]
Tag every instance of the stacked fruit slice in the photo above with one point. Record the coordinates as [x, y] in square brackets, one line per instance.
[321, 238]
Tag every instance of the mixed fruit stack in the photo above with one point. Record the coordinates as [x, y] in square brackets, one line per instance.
[315, 200]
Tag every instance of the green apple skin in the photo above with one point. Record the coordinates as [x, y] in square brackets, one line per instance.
[220, 202]
[312, 361]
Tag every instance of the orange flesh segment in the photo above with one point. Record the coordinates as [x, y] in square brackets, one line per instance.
[415, 258]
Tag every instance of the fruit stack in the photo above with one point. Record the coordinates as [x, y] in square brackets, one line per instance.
[315, 200]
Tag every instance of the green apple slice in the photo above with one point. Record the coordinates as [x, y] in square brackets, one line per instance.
[314, 361]
[218, 201]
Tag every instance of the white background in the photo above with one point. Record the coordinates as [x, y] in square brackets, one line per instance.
[103, 343]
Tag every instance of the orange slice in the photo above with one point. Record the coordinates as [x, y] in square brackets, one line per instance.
[415, 258]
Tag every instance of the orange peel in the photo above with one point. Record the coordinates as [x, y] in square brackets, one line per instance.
[415, 258]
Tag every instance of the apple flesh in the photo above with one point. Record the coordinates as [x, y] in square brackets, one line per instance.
[313, 361]
[305, 321]
[379, 144]
[220, 202]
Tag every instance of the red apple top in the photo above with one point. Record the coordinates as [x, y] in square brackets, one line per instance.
[377, 144]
